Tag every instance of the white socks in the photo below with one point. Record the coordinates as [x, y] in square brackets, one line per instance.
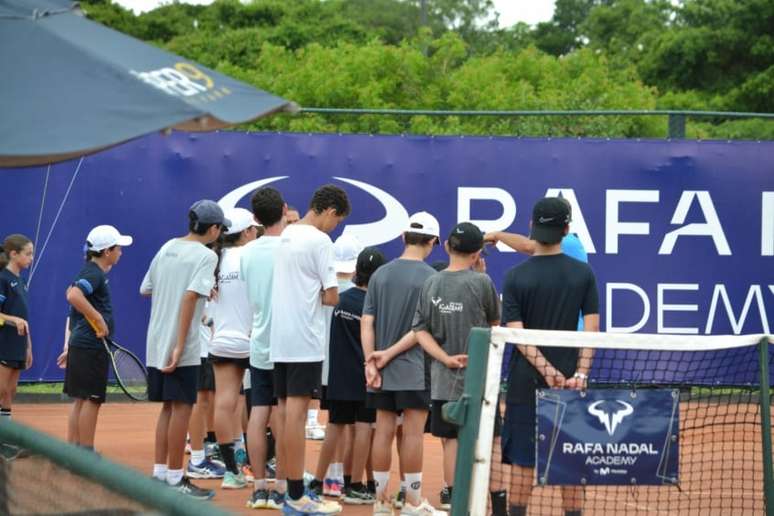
[311, 417]
[335, 471]
[160, 471]
[197, 457]
[414, 488]
[174, 476]
[381, 478]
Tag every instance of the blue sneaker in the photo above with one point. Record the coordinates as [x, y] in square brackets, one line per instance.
[207, 469]
[240, 456]
[310, 505]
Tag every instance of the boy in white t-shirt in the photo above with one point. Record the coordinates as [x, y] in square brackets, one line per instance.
[180, 278]
[304, 280]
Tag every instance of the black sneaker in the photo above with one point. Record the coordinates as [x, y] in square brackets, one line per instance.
[316, 487]
[187, 488]
[357, 496]
[259, 499]
[276, 500]
[445, 499]
[399, 499]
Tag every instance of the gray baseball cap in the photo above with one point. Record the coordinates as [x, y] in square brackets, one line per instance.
[208, 212]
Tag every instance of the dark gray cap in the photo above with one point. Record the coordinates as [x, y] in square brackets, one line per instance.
[208, 212]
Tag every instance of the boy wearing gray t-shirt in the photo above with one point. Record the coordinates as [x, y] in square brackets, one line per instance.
[451, 303]
[179, 279]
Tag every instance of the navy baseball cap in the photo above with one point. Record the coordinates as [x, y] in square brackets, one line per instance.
[549, 218]
[208, 212]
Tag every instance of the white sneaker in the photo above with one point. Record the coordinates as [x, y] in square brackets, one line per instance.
[423, 509]
[315, 433]
[382, 508]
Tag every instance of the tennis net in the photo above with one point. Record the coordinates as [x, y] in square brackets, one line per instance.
[53, 477]
[663, 424]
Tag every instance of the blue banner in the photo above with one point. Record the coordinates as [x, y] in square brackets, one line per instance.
[607, 437]
[680, 234]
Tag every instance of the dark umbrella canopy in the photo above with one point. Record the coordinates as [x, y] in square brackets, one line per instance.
[71, 86]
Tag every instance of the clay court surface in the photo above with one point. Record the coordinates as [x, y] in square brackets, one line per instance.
[125, 434]
[720, 465]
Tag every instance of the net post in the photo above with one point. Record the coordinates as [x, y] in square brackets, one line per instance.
[765, 401]
[470, 406]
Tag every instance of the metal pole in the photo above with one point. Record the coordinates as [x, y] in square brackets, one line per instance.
[765, 400]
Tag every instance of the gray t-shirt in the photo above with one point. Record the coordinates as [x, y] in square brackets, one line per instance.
[451, 303]
[179, 266]
[392, 297]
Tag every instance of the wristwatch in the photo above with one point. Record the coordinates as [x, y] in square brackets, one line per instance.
[581, 376]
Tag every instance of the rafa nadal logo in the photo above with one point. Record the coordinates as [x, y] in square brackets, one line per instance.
[610, 420]
[391, 226]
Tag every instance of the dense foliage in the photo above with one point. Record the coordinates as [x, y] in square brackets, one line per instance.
[715, 55]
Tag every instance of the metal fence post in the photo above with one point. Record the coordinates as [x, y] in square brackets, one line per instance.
[765, 401]
[676, 126]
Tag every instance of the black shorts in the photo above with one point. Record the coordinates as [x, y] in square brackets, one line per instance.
[86, 375]
[398, 401]
[439, 427]
[261, 388]
[345, 412]
[206, 379]
[179, 385]
[14, 364]
[324, 405]
[243, 363]
[297, 379]
[518, 441]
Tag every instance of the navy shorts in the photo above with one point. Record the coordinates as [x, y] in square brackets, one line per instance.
[179, 385]
[86, 375]
[346, 412]
[518, 435]
[297, 379]
[439, 427]
[206, 380]
[262, 388]
[398, 401]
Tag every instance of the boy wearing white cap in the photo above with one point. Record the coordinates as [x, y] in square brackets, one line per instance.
[230, 345]
[180, 277]
[87, 361]
[398, 376]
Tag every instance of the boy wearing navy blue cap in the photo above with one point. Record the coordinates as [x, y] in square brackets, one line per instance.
[180, 278]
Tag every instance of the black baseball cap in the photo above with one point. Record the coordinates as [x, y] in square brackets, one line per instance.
[549, 218]
[465, 237]
[369, 259]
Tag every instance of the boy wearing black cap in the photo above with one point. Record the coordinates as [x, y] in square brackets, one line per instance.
[180, 278]
[546, 292]
[450, 304]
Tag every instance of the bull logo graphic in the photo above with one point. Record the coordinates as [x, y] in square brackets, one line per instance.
[611, 420]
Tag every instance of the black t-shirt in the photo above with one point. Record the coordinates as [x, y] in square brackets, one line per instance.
[546, 293]
[346, 377]
[13, 301]
[94, 284]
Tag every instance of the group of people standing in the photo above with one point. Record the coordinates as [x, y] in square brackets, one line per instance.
[295, 317]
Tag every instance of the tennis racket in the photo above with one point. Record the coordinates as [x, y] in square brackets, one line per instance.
[128, 369]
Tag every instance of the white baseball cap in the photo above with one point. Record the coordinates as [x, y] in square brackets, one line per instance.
[347, 248]
[241, 219]
[103, 237]
[423, 223]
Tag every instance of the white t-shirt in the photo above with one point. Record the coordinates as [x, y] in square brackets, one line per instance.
[179, 266]
[303, 267]
[344, 284]
[231, 311]
[257, 270]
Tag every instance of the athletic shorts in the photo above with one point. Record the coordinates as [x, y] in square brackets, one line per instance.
[398, 401]
[14, 364]
[346, 412]
[206, 379]
[439, 427]
[87, 374]
[518, 439]
[297, 379]
[243, 363]
[261, 388]
[179, 385]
